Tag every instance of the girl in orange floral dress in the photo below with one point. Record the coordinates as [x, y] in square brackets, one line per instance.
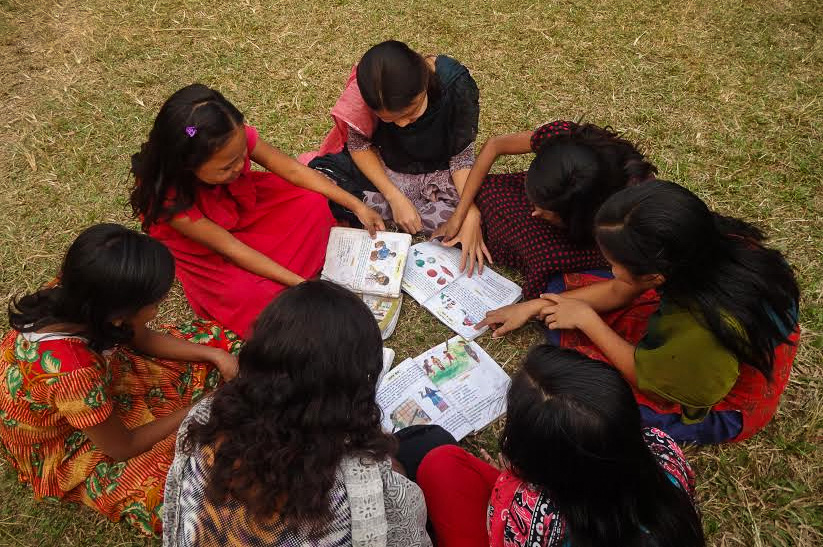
[90, 398]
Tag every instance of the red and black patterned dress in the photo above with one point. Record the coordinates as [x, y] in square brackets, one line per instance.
[530, 244]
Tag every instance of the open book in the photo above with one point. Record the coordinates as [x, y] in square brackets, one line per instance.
[433, 278]
[365, 265]
[455, 385]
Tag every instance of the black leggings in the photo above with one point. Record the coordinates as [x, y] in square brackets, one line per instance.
[417, 441]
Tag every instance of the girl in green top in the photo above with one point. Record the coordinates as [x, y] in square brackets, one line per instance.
[710, 363]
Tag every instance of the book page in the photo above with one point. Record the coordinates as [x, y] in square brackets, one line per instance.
[366, 265]
[429, 268]
[388, 359]
[465, 302]
[407, 397]
[470, 378]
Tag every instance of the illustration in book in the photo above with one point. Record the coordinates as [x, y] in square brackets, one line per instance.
[455, 384]
[364, 264]
[433, 278]
[407, 414]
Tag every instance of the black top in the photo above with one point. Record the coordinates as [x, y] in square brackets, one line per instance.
[445, 129]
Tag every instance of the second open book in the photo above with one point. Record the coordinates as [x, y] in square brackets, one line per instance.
[455, 385]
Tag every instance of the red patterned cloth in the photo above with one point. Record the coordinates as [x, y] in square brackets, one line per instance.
[755, 397]
[54, 387]
[471, 503]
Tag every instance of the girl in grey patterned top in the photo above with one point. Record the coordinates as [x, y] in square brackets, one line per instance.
[291, 451]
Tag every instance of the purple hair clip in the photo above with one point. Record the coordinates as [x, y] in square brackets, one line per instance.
[191, 130]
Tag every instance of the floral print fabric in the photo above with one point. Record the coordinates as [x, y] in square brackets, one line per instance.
[52, 387]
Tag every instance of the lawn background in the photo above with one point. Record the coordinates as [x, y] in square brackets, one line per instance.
[724, 96]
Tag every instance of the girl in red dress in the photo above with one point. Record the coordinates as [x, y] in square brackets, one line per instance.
[238, 237]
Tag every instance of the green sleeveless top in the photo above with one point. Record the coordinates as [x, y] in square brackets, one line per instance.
[680, 360]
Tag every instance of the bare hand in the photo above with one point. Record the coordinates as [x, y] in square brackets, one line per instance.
[508, 318]
[565, 313]
[470, 238]
[405, 214]
[448, 229]
[370, 219]
[225, 362]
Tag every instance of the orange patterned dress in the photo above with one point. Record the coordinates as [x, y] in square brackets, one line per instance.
[53, 386]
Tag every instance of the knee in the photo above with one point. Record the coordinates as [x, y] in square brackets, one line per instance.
[438, 466]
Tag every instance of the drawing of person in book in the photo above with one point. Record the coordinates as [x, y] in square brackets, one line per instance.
[438, 363]
[449, 356]
[469, 350]
[427, 368]
[468, 320]
[436, 399]
[409, 413]
[377, 276]
[381, 252]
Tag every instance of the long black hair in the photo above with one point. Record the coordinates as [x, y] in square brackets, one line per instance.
[109, 273]
[573, 174]
[164, 168]
[715, 266]
[304, 398]
[573, 428]
[391, 74]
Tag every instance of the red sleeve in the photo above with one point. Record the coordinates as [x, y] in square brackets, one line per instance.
[251, 137]
[549, 130]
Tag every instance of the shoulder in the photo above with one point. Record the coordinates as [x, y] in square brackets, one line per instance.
[516, 506]
[452, 73]
[252, 136]
[670, 458]
[55, 353]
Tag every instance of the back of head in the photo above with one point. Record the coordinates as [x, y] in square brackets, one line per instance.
[304, 398]
[191, 126]
[391, 75]
[108, 273]
[567, 412]
[714, 265]
[572, 175]
[573, 428]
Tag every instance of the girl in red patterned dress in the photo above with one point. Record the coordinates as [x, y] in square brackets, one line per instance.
[90, 398]
[699, 315]
[541, 222]
[239, 237]
[577, 469]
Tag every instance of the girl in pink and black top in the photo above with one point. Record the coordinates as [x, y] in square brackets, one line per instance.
[238, 236]
[541, 222]
[577, 469]
[404, 136]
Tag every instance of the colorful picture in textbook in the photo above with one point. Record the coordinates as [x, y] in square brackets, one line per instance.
[382, 251]
[376, 277]
[433, 278]
[450, 362]
[455, 385]
[407, 414]
[365, 265]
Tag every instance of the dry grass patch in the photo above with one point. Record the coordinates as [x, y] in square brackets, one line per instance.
[724, 96]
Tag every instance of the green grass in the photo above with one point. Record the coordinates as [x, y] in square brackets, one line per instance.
[725, 97]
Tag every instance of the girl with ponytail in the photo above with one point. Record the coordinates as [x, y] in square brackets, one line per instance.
[710, 362]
